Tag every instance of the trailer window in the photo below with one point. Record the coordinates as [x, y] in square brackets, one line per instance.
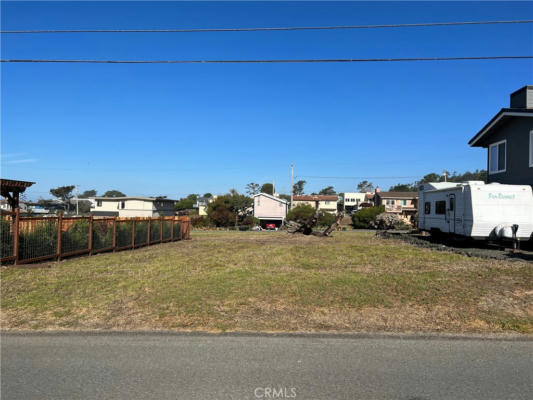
[440, 207]
[452, 203]
[427, 207]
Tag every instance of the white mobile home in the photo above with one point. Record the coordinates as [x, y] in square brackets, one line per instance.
[475, 209]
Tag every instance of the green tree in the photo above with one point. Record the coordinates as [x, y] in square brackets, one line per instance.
[328, 190]
[252, 188]
[361, 219]
[232, 203]
[207, 195]
[186, 203]
[403, 187]
[88, 193]
[365, 186]
[298, 188]
[267, 188]
[63, 193]
[285, 197]
[300, 213]
[114, 193]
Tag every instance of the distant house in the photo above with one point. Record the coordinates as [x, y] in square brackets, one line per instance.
[353, 201]
[327, 203]
[132, 206]
[201, 205]
[270, 209]
[508, 138]
[404, 204]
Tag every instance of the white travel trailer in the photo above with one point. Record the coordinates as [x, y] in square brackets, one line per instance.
[476, 210]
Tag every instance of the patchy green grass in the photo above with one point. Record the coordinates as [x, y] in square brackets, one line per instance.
[273, 281]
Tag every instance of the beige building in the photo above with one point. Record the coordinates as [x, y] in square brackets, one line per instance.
[353, 201]
[403, 203]
[132, 206]
[318, 202]
[270, 209]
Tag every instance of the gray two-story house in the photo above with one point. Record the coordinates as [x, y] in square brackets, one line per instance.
[508, 138]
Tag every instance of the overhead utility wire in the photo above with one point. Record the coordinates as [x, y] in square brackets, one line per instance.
[357, 177]
[286, 61]
[286, 28]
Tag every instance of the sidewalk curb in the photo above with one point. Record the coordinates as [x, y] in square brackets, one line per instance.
[295, 335]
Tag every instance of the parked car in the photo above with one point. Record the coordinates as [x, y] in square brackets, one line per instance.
[270, 226]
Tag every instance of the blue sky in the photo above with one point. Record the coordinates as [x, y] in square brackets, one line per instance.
[178, 129]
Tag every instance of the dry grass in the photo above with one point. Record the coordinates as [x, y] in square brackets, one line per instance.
[268, 281]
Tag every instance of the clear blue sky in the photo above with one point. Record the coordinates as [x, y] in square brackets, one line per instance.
[179, 129]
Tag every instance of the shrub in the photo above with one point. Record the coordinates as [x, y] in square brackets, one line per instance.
[386, 221]
[325, 219]
[250, 221]
[361, 219]
[199, 221]
[300, 213]
[76, 237]
[40, 241]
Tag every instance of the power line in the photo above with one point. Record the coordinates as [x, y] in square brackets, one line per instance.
[357, 177]
[257, 29]
[267, 61]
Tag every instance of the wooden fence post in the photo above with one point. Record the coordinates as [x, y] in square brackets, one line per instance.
[16, 230]
[91, 234]
[160, 229]
[59, 224]
[149, 228]
[133, 234]
[114, 233]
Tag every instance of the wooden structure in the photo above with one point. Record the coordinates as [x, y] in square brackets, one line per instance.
[11, 190]
[30, 239]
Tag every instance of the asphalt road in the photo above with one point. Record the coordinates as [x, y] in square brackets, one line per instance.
[168, 366]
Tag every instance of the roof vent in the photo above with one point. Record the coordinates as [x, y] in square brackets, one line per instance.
[522, 98]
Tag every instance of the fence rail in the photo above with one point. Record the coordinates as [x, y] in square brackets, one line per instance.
[30, 239]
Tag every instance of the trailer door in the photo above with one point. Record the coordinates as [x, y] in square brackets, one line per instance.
[451, 213]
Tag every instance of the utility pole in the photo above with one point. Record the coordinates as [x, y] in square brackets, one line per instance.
[77, 195]
[292, 183]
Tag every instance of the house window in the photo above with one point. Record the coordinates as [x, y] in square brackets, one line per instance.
[99, 203]
[404, 202]
[390, 202]
[497, 153]
[440, 207]
[122, 204]
[531, 148]
[327, 202]
[427, 207]
[259, 201]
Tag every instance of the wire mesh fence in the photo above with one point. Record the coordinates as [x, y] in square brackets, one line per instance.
[27, 239]
[124, 233]
[74, 235]
[167, 229]
[37, 238]
[7, 235]
[102, 234]
[141, 233]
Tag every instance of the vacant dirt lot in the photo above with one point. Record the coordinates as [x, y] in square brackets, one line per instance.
[273, 281]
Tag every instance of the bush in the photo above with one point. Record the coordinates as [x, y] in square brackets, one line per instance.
[325, 219]
[40, 241]
[386, 221]
[76, 237]
[300, 213]
[362, 219]
[199, 221]
[250, 221]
